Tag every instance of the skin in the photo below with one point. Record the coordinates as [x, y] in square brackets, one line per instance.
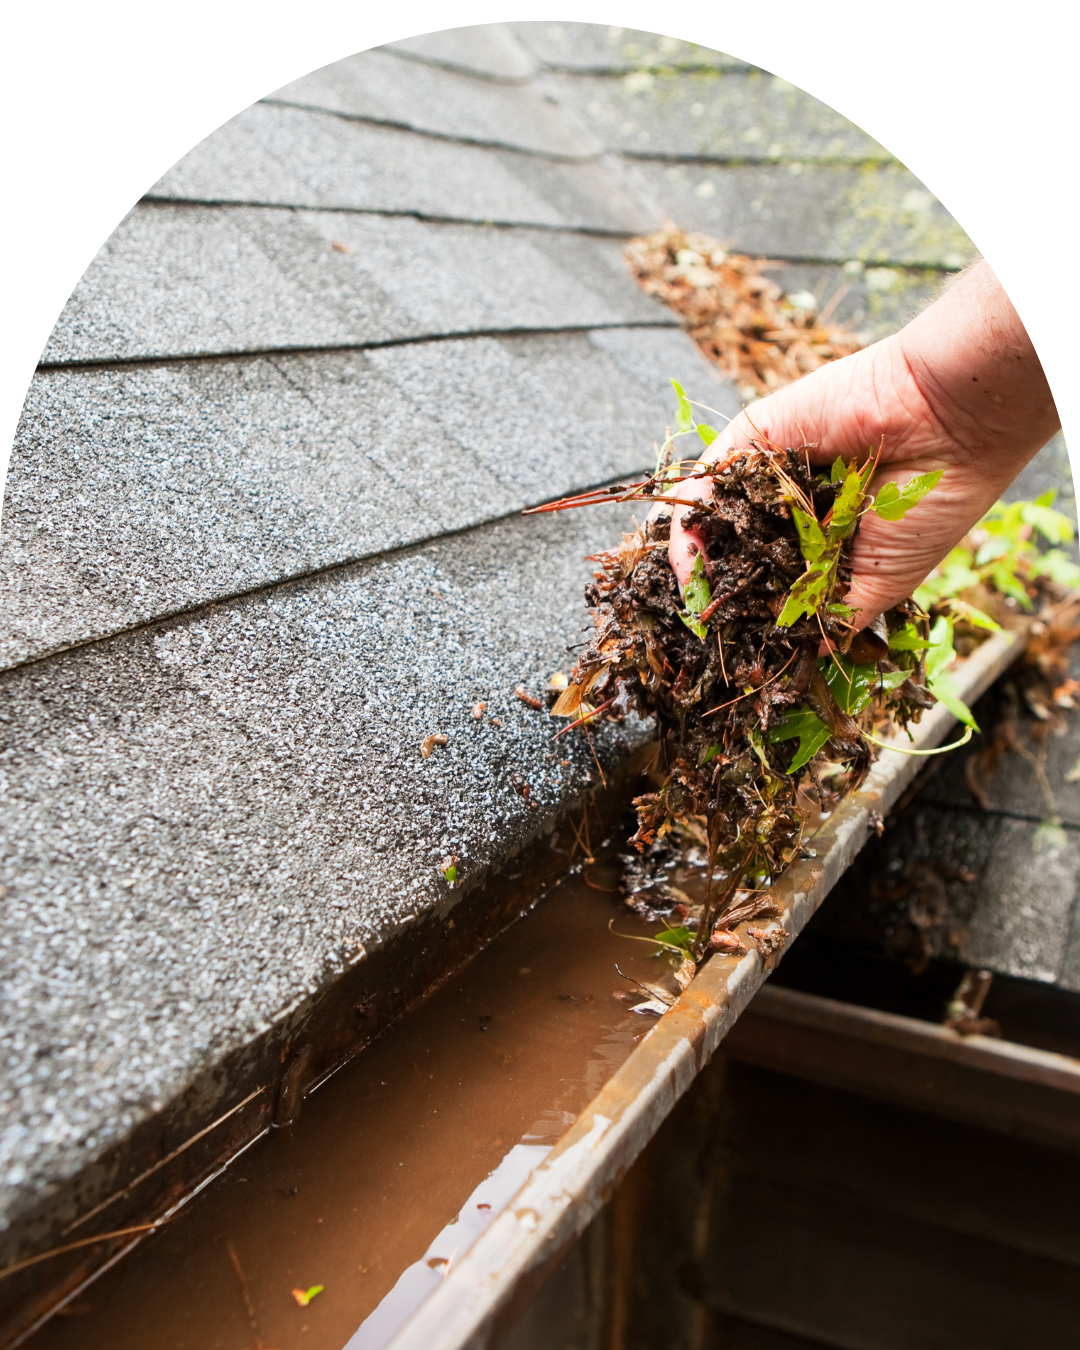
[959, 389]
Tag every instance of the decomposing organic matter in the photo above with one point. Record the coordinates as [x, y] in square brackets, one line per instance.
[756, 726]
[760, 336]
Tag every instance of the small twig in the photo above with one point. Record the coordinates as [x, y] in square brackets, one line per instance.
[750, 692]
[596, 757]
[252, 1319]
[82, 1242]
[829, 308]
[577, 840]
[585, 717]
[90, 1214]
[644, 987]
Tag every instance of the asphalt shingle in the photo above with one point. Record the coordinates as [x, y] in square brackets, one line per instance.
[491, 49]
[1018, 927]
[589, 47]
[179, 280]
[144, 490]
[281, 156]
[381, 87]
[712, 114]
[208, 820]
[877, 213]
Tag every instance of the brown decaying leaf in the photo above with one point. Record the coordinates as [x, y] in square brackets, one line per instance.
[719, 775]
[739, 318]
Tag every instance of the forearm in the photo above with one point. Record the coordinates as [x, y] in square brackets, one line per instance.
[959, 389]
[977, 371]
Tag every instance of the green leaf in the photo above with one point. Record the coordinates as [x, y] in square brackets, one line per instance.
[695, 625]
[1056, 564]
[1054, 527]
[848, 501]
[945, 689]
[941, 684]
[893, 502]
[450, 873]
[1049, 835]
[680, 937]
[697, 596]
[811, 731]
[808, 593]
[907, 639]
[978, 618]
[840, 609]
[696, 592]
[811, 539]
[838, 470]
[941, 652]
[1002, 575]
[753, 735]
[708, 434]
[684, 415]
[853, 686]
[712, 753]
[997, 546]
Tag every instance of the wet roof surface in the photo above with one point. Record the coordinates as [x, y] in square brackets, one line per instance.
[289, 417]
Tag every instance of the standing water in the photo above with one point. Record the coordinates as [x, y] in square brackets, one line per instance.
[398, 1161]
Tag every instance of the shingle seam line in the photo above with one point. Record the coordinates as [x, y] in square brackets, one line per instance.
[279, 583]
[552, 155]
[455, 68]
[116, 362]
[428, 217]
[656, 68]
[763, 161]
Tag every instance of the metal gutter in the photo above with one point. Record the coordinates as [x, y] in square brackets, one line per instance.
[482, 1294]
[979, 1080]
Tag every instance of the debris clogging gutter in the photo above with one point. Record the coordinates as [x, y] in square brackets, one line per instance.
[492, 1281]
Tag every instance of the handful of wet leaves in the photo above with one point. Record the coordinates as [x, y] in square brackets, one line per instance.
[757, 728]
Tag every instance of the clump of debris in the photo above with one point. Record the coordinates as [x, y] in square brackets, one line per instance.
[761, 337]
[756, 728]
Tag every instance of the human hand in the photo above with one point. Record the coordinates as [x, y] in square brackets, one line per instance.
[959, 389]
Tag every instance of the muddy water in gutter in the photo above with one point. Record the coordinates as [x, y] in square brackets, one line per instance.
[468, 1091]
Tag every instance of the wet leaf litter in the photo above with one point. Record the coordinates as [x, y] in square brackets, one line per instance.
[759, 735]
[755, 729]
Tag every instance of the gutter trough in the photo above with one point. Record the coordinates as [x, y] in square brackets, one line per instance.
[493, 1281]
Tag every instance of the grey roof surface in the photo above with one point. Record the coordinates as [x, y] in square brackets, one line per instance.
[208, 819]
[483, 49]
[206, 815]
[586, 48]
[876, 213]
[280, 156]
[381, 87]
[1004, 889]
[138, 491]
[714, 114]
[177, 280]
[872, 301]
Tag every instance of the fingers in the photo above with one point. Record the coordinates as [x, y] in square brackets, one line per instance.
[683, 550]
